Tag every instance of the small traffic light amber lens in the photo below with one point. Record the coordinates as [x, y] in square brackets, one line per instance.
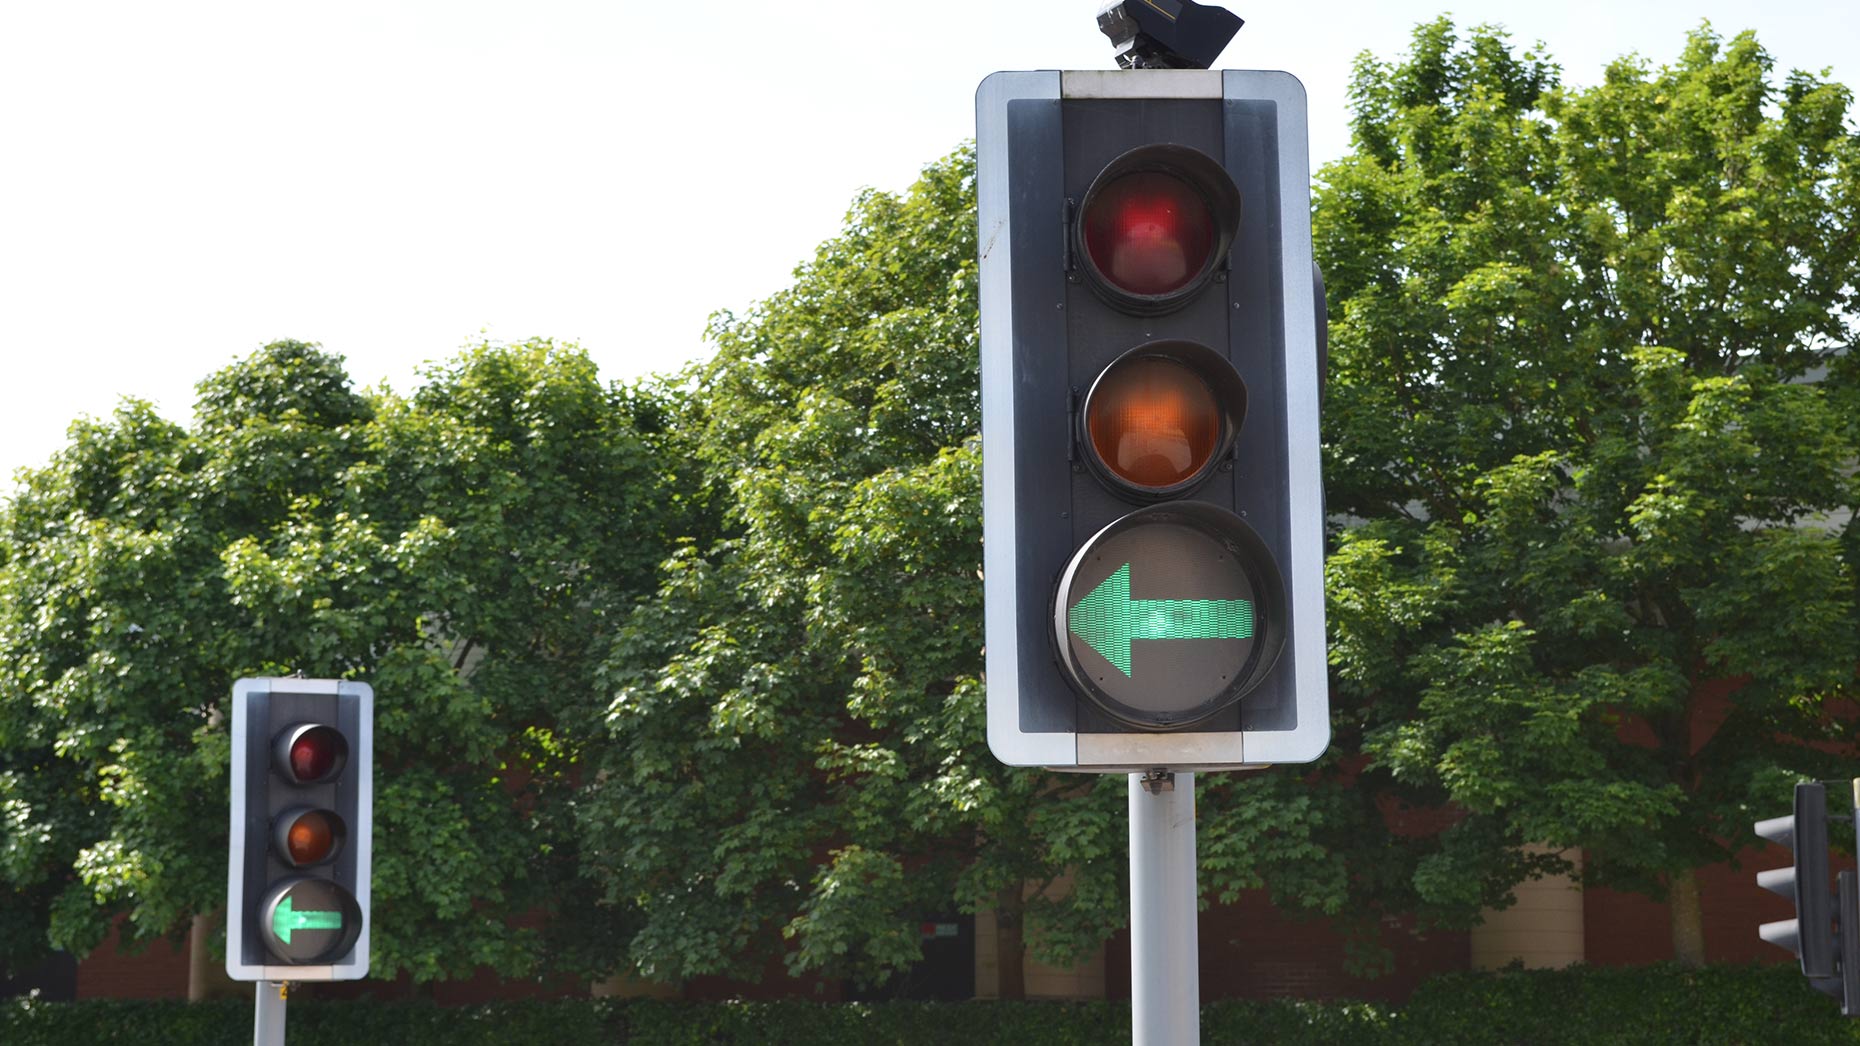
[1153, 422]
[1149, 232]
[316, 753]
[310, 838]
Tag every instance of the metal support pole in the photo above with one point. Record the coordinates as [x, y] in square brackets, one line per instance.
[268, 1014]
[1165, 972]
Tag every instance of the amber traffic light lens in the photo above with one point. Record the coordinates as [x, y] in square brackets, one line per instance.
[1153, 423]
[311, 837]
[1149, 232]
[316, 754]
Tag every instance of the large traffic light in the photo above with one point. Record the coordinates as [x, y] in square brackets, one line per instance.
[298, 858]
[1153, 517]
[1829, 949]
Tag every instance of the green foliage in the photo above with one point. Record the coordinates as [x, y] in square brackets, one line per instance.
[796, 760]
[308, 1022]
[1668, 1003]
[1580, 1005]
[1590, 434]
[458, 549]
[795, 742]
[692, 670]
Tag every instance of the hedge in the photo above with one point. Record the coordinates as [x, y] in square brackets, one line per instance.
[1661, 1004]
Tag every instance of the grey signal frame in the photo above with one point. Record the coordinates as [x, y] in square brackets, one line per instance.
[1304, 574]
[249, 706]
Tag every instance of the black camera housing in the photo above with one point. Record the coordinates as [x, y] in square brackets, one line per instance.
[1167, 34]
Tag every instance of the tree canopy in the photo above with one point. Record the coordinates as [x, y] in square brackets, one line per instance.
[689, 671]
[797, 733]
[1591, 432]
[460, 549]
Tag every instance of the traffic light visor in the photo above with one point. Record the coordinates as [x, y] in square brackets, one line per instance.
[1155, 225]
[1160, 416]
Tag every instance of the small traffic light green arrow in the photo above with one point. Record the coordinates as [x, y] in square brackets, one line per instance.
[285, 920]
[1108, 619]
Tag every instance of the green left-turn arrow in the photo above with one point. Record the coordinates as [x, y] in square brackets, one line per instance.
[285, 919]
[1108, 620]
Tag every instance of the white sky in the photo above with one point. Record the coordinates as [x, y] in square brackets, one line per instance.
[182, 182]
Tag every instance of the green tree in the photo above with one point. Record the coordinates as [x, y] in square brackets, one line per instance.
[798, 757]
[797, 733]
[464, 550]
[1592, 429]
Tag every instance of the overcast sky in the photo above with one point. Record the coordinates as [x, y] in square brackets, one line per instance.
[182, 182]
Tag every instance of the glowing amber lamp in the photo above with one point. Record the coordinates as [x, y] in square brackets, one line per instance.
[1153, 423]
[310, 838]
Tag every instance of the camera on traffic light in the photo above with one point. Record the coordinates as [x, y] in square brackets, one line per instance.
[1167, 34]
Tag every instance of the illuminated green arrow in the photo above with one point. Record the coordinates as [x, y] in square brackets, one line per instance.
[1108, 619]
[285, 920]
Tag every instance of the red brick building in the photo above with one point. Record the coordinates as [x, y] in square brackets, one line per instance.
[1248, 950]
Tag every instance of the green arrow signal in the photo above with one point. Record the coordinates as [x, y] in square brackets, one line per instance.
[1108, 619]
[284, 920]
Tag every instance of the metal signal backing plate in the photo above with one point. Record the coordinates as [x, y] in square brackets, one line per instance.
[261, 708]
[1035, 715]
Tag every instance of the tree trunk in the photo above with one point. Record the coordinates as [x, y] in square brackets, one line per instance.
[206, 979]
[1010, 945]
[1688, 918]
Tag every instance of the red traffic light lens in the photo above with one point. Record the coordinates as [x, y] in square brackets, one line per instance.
[308, 836]
[315, 754]
[1153, 422]
[309, 753]
[1149, 232]
[1154, 226]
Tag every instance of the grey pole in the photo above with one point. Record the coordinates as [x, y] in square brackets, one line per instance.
[1165, 972]
[268, 1014]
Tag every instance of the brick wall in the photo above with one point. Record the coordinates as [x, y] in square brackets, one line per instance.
[1626, 929]
[1249, 950]
[158, 972]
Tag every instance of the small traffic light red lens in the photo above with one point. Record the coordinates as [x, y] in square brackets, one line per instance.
[1153, 422]
[316, 754]
[1149, 232]
[310, 838]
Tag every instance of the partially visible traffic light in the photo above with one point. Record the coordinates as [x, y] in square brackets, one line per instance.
[302, 814]
[1825, 933]
[1810, 935]
[1152, 506]
[1847, 921]
[1847, 959]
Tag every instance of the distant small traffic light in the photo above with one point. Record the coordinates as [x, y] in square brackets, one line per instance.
[1825, 933]
[1152, 509]
[302, 813]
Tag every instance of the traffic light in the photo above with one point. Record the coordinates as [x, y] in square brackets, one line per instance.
[302, 824]
[1830, 959]
[1152, 510]
[1847, 961]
